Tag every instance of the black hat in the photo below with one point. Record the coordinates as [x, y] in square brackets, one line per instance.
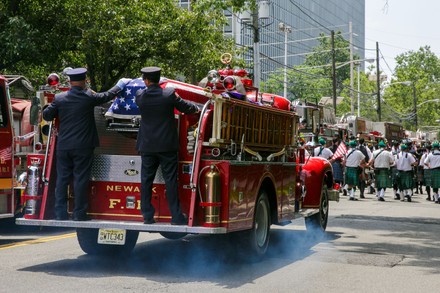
[151, 73]
[77, 74]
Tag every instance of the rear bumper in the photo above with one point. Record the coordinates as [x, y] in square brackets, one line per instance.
[135, 226]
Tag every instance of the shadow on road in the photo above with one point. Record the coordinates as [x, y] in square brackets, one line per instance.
[192, 259]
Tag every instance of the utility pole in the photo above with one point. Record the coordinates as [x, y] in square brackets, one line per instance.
[379, 115]
[256, 48]
[359, 89]
[415, 104]
[350, 29]
[285, 29]
[333, 69]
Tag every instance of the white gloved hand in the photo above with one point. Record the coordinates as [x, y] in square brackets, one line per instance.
[123, 82]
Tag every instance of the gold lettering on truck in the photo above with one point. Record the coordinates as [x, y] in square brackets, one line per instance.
[129, 188]
[113, 202]
[120, 188]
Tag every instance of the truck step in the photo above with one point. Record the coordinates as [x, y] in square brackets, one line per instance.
[125, 225]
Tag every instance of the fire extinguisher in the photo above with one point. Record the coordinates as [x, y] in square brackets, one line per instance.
[212, 201]
[32, 191]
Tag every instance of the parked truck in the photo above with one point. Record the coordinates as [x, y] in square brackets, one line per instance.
[390, 130]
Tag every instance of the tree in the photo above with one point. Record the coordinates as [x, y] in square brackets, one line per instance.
[113, 39]
[419, 71]
[313, 79]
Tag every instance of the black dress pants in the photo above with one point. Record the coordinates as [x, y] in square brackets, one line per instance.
[76, 165]
[168, 161]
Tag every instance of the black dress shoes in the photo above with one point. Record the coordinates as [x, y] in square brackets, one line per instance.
[62, 217]
[82, 218]
[181, 220]
[149, 221]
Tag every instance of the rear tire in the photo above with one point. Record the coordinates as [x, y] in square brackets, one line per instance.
[318, 221]
[257, 239]
[88, 241]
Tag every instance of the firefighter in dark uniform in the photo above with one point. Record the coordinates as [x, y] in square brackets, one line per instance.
[158, 144]
[77, 139]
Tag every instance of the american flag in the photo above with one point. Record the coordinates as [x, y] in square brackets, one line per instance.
[340, 151]
[124, 106]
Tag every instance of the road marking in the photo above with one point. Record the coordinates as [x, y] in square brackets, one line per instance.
[37, 241]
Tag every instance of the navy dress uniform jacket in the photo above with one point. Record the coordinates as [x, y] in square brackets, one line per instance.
[75, 110]
[158, 131]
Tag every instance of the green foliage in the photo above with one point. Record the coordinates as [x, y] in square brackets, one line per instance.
[113, 38]
[322, 56]
[419, 71]
[313, 80]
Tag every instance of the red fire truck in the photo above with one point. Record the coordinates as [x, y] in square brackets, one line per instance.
[17, 140]
[240, 170]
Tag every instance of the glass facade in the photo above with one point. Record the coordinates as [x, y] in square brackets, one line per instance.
[307, 20]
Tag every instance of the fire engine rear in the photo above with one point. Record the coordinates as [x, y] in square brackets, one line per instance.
[17, 140]
[240, 170]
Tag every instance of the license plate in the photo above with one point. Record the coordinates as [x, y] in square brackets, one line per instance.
[111, 236]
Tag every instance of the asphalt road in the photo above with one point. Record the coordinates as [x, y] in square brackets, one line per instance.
[369, 246]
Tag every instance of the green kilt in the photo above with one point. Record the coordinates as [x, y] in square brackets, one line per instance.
[352, 176]
[382, 178]
[427, 177]
[435, 178]
[405, 180]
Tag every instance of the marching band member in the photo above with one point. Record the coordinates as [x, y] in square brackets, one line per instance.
[432, 161]
[405, 162]
[322, 151]
[426, 172]
[353, 160]
[382, 160]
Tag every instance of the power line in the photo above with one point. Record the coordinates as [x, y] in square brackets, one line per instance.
[305, 13]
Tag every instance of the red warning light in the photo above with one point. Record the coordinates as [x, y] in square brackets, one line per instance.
[229, 83]
[53, 79]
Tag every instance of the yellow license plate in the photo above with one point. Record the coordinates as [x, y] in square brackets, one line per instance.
[111, 236]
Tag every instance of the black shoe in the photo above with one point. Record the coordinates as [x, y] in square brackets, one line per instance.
[397, 197]
[362, 196]
[408, 198]
[381, 199]
[82, 218]
[428, 198]
[149, 221]
[62, 217]
[182, 220]
[344, 192]
[352, 198]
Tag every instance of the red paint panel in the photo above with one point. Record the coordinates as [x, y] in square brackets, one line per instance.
[121, 201]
